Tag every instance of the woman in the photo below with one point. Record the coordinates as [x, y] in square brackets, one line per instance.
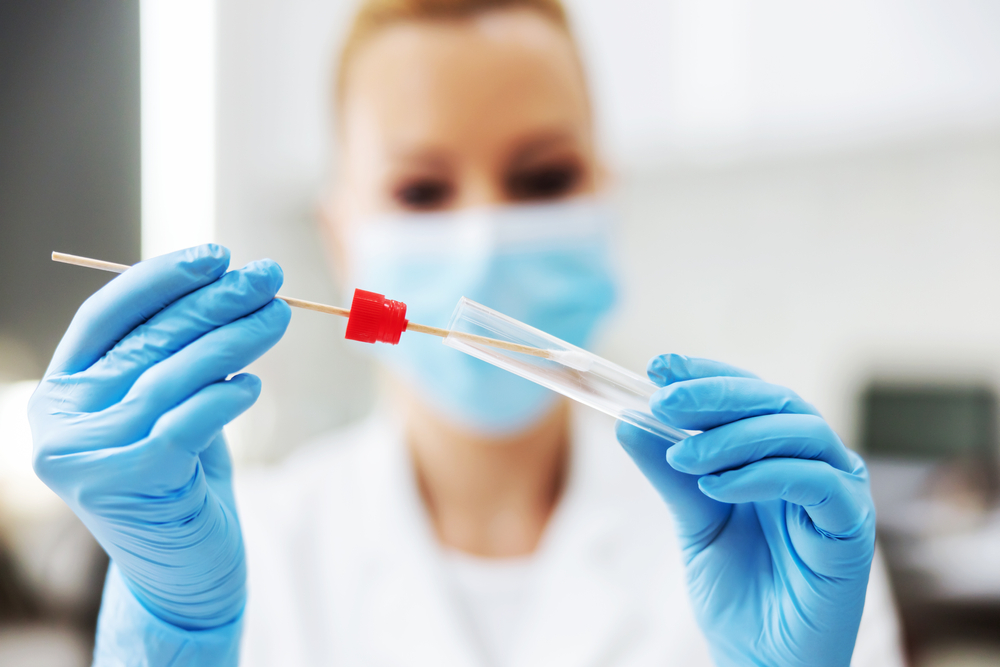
[475, 519]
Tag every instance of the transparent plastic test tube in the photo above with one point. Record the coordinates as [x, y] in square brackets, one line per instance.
[565, 368]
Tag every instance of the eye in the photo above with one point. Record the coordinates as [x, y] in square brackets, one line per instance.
[549, 182]
[424, 194]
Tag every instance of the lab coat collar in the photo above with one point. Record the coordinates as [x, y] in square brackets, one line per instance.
[410, 614]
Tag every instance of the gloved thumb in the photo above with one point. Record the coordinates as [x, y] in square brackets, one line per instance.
[184, 433]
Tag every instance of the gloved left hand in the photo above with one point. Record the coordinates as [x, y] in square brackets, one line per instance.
[774, 514]
[127, 424]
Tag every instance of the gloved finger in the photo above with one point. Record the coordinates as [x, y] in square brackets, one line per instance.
[698, 517]
[234, 295]
[829, 496]
[131, 299]
[209, 359]
[705, 403]
[769, 436]
[669, 368]
[193, 425]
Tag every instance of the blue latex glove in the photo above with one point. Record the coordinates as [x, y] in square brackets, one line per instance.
[127, 424]
[774, 514]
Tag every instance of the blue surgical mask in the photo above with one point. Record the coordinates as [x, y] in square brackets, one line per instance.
[546, 265]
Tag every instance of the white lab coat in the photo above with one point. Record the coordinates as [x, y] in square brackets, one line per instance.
[345, 570]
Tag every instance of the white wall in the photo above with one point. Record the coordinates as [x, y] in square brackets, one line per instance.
[722, 78]
[821, 272]
[811, 190]
[273, 147]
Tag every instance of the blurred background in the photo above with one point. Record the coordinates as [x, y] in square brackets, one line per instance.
[809, 190]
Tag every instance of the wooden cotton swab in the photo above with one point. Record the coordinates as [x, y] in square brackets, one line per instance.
[102, 265]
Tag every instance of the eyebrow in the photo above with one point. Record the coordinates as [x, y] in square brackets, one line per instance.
[528, 149]
[432, 159]
[525, 151]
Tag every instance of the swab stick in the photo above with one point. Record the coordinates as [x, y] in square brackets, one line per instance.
[112, 267]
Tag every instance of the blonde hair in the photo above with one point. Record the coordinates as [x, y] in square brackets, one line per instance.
[375, 15]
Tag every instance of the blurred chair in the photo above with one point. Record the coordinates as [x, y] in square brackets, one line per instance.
[51, 568]
[934, 455]
[51, 574]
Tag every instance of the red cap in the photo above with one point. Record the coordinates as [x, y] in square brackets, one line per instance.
[375, 319]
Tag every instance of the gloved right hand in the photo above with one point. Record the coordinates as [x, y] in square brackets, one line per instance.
[774, 514]
[127, 424]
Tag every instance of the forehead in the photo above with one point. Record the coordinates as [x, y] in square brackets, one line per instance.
[465, 82]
